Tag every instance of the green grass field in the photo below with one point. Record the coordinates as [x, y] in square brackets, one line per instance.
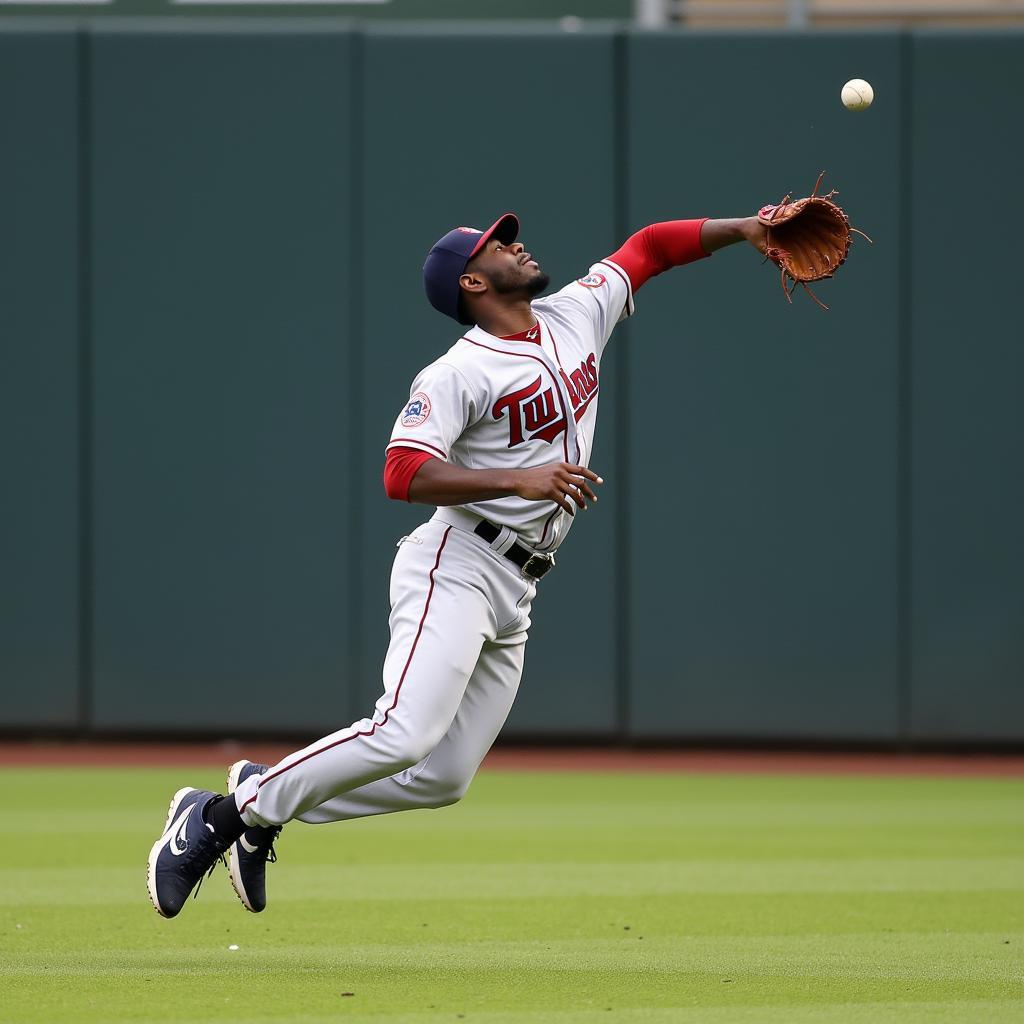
[541, 897]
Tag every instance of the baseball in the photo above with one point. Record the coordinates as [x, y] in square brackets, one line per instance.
[857, 94]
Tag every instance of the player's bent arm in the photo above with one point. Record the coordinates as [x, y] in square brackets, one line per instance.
[716, 234]
[440, 483]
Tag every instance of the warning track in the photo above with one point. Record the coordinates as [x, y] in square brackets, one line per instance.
[18, 753]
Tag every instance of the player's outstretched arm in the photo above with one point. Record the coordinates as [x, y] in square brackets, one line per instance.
[674, 243]
[440, 483]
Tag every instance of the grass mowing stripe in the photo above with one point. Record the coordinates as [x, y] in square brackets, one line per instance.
[84, 885]
[909, 956]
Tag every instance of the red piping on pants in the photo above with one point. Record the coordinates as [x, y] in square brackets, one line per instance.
[394, 704]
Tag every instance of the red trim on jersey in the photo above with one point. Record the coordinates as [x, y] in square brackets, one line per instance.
[400, 466]
[657, 247]
[530, 334]
[415, 440]
[558, 360]
[558, 388]
[554, 344]
[578, 414]
[269, 776]
[625, 279]
[547, 526]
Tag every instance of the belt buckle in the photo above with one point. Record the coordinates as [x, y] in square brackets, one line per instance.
[538, 566]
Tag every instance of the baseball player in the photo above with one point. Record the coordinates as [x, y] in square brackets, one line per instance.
[498, 434]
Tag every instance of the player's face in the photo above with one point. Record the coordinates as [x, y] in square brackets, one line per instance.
[510, 269]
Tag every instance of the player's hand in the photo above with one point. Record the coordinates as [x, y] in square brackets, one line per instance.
[755, 233]
[560, 482]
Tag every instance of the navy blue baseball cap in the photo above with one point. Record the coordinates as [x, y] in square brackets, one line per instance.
[447, 259]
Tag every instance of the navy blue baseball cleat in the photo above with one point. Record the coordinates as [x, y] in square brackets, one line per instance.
[248, 856]
[187, 850]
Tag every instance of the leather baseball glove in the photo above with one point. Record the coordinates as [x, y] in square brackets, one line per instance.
[808, 240]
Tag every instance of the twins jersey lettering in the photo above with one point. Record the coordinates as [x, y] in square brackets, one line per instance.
[492, 403]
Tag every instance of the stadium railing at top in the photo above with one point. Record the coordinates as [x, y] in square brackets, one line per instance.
[825, 13]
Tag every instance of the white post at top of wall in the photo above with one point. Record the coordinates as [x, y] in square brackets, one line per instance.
[652, 13]
[798, 13]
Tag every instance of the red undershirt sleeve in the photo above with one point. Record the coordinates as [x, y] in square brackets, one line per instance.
[400, 466]
[657, 247]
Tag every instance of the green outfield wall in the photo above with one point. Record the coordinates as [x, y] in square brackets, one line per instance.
[212, 309]
[42, 377]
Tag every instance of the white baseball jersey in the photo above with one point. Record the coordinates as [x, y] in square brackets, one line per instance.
[491, 403]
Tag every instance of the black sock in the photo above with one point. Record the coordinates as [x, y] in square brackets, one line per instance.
[222, 815]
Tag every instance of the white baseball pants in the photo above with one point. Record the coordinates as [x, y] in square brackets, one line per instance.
[460, 613]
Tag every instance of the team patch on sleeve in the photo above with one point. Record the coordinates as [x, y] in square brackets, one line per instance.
[592, 280]
[417, 411]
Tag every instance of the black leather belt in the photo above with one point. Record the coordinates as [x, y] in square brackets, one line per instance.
[533, 565]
